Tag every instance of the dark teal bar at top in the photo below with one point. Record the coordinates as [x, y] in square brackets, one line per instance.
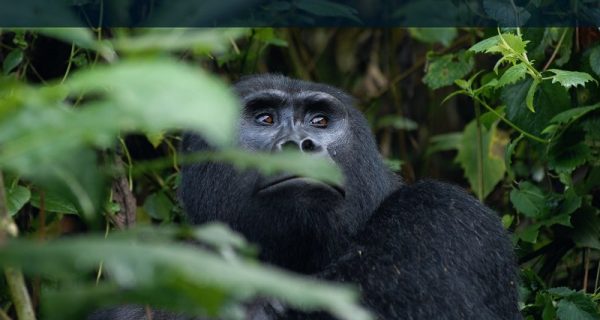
[299, 13]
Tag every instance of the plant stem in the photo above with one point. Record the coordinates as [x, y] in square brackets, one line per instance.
[479, 152]
[14, 277]
[553, 56]
[508, 122]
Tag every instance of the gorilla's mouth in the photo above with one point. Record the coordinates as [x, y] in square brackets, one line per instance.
[294, 181]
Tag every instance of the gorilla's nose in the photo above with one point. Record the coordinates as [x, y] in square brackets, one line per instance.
[306, 145]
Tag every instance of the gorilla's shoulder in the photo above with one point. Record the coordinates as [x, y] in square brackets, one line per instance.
[447, 214]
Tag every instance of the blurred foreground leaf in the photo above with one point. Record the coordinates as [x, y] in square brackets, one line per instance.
[175, 276]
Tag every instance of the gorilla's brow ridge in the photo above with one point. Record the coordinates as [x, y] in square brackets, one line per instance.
[318, 95]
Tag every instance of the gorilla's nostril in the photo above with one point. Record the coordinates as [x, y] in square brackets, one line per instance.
[290, 145]
[308, 145]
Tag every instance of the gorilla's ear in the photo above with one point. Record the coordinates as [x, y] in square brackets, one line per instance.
[193, 142]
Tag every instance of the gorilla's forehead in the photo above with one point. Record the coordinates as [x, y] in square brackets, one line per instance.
[281, 86]
[287, 96]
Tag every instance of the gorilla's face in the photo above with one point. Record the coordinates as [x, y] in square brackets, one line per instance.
[314, 123]
[298, 222]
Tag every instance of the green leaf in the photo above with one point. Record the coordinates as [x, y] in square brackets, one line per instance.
[175, 39]
[444, 70]
[506, 12]
[595, 60]
[12, 60]
[493, 147]
[568, 152]
[512, 75]
[552, 99]
[169, 271]
[53, 202]
[561, 291]
[573, 114]
[577, 307]
[529, 200]
[531, 95]
[393, 164]
[514, 42]
[445, 36]
[396, 122]
[161, 95]
[510, 149]
[586, 224]
[17, 197]
[485, 44]
[570, 79]
[530, 233]
[158, 205]
[268, 163]
[445, 142]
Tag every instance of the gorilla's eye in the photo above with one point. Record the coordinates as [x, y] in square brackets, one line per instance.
[319, 121]
[265, 118]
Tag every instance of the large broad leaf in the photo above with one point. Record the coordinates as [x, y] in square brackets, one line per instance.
[493, 167]
[577, 306]
[16, 198]
[444, 70]
[568, 151]
[529, 200]
[165, 273]
[53, 202]
[149, 96]
[551, 99]
[163, 94]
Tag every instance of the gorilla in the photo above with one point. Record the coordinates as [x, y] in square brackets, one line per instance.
[427, 250]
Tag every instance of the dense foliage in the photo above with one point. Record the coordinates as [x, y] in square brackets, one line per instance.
[90, 121]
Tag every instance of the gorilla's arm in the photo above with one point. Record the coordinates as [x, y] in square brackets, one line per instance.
[431, 251]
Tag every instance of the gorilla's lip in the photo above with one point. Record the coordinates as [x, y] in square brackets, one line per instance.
[291, 180]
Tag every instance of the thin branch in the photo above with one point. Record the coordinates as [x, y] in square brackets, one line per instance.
[479, 153]
[586, 268]
[3, 315]
[508, 122]
[553, 56]
[14, 277]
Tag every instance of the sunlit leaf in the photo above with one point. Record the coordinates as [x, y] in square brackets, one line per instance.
[570, 79]
[513, 74]
[493, 167]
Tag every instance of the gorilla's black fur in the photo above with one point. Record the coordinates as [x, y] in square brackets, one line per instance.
[422, 251]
